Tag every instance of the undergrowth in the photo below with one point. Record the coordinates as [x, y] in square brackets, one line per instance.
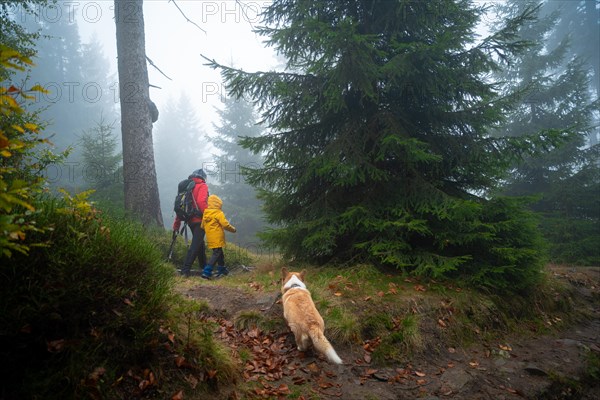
[405, 315]
[91, 312]
[91, 306]
[234, 255]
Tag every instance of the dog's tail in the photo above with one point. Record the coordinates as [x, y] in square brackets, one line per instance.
[323, 346]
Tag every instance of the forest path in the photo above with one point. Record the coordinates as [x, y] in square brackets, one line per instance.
[541, 367]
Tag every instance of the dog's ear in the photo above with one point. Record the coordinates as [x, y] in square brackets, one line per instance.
[284, 272]
[302, 275]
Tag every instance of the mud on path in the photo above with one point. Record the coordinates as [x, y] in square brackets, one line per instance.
[521, 368]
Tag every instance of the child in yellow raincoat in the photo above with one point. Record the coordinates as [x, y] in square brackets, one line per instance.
[214, 224]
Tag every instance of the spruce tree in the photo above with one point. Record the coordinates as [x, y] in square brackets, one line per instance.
[379, 142]
[180, 149]
[579, 21]
[238, 120]
[78, 91]
[554, 86]
[59, 70]
[102, 169]
[97, 89]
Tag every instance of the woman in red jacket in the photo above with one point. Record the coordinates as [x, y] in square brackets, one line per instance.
[196, 249]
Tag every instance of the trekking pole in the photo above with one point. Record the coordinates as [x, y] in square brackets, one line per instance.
[172, 246]
[184, 233]
[233, 215]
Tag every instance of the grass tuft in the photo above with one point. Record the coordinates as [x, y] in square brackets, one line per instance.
[341, 326]
[91, 304]
[249, 319]
[404, 340]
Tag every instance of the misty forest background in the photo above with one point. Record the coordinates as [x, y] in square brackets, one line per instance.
[393, 135]
[546, 89]
[82, 112]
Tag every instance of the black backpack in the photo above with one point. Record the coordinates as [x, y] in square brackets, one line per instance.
[185, 205]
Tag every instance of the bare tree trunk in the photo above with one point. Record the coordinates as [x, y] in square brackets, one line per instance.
[139, 172]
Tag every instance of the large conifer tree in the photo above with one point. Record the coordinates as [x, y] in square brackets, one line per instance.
[180, 148]
[103, 166]
[238, 120]
[579, 20]
[555, 83]
[78, 92]
[380, 138]
[59, 70]
[139, 170]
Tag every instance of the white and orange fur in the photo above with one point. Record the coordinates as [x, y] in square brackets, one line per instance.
[302, 316]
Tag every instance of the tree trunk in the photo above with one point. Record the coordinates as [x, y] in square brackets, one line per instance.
[139, 172]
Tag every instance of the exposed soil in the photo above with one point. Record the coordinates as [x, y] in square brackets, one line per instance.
[542, 367]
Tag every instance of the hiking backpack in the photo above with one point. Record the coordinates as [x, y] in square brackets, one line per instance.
[185, 205]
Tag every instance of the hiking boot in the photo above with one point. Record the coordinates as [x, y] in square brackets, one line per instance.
[222, 271]
[207, 272]
[183, 273]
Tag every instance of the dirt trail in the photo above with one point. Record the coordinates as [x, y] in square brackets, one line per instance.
[530, 368]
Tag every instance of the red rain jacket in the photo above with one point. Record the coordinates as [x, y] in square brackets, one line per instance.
[200, 193]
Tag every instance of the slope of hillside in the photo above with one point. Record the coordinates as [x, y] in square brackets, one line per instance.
[554, 357]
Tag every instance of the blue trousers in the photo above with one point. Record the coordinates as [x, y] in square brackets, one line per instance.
[217, 257]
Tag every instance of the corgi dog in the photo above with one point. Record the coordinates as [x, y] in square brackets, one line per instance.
[302, 316]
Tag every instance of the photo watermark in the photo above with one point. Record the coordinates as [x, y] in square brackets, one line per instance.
[93, 173]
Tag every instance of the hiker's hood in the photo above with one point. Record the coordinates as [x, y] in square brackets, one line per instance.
[214, 202]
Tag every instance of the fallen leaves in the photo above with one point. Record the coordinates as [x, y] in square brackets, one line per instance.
[92, 381]
[55, 346]
[369, 347]
[268, 361]
[179, 361]
[505, 347]
[192, 381]
[178, 396]
[269, 390]
[144, 381]
[148, 379]
[272, 359]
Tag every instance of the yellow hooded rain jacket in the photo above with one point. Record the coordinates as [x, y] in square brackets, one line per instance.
[214, 223]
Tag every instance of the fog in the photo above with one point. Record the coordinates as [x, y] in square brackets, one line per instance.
[217, 29]
[177, 34]
[78, 64]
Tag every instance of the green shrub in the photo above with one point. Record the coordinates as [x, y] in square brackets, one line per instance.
[572, 240]
[493, 244]
[507, 253]
[20, 160]
[490, 244]
[92, 296]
